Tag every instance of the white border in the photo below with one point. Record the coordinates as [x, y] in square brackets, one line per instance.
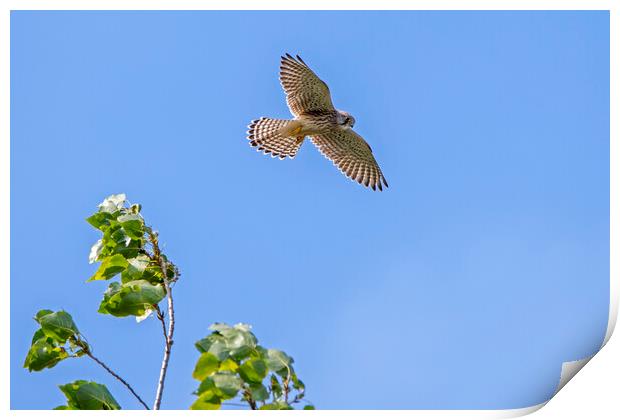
[569, 369]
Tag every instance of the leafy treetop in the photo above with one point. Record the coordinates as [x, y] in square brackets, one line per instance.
[232, 365]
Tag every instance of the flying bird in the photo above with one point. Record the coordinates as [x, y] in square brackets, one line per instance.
[330, 130]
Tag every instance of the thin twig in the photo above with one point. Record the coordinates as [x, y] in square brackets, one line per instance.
[160, 316]
[111, 372]
[249, 399]
[168, 347]
[286, 382]
[286, 389]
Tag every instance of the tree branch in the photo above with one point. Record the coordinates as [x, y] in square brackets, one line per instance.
[170, 333]
[111, 372]
[248, 397]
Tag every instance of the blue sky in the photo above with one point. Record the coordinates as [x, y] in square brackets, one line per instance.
[466, 284]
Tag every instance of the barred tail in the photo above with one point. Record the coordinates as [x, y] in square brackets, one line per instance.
[270, 136]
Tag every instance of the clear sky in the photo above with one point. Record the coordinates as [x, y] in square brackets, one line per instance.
[466, 284]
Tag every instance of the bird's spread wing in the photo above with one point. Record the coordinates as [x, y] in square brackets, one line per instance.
[352, 155]
[305, 92]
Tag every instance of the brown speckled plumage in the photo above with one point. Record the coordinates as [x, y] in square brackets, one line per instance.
[330, 130]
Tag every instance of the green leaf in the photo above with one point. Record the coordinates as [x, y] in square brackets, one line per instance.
[113, 289]
[64, 407]
[227, 384]
[38, 334]
[133, 225]
[117, 241]
[110, 267]
[84, 395]
[130, 249]
[100, 221]
[297, 383]
[279, 362]
[276, 388]
[253, 371]
[259, 392]
[41, 314]
[204, 344]
[70, 391]
[58, 325]
[308, 407]
[206, 385]
[228, 365]
[116, 236]
[135, 269]
[132, 298]
[240, 342]
[206, 365]
[44, 354]
[215, 344]
[236, 342]
[112, 203]
[233, 337]
[207, 401]
[94, 396]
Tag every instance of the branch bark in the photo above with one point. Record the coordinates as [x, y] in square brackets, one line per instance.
[168, 336]
[111, 372]
[249, 399]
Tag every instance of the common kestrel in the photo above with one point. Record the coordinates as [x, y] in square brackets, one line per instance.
[329, 129]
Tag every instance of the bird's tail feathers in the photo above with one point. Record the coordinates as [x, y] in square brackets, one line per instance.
[275, 137]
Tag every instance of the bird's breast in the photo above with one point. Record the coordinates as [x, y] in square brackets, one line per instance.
[317, 123]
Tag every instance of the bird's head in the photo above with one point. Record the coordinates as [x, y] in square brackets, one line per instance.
[345, 120]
